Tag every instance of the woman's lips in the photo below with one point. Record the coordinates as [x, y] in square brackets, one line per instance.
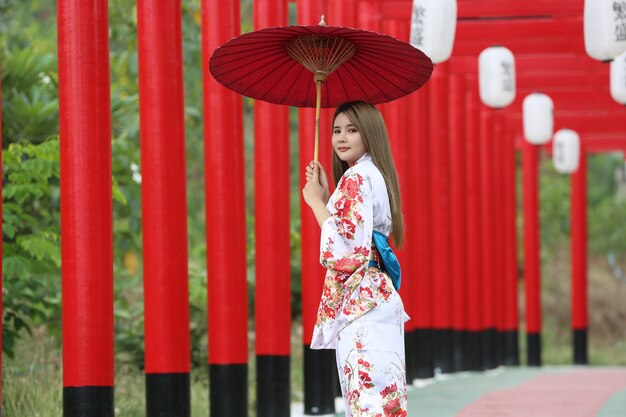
[342, 149]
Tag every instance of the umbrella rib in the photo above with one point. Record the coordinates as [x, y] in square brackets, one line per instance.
[377, 72]
[393, 54]
[348, 68]
[341, 83]
[252, 72]
[304, 55]
[243, 49]
[277, 81]
[257, 58]
[365, 75]
[293, 83]
[346, 53]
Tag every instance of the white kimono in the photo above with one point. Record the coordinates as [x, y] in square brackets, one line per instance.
[361, 315]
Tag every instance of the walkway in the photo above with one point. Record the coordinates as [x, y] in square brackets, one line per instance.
[524, 392]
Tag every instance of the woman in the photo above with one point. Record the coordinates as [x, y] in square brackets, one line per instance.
[360, 315]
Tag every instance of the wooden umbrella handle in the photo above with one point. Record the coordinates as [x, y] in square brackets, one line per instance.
[318, 102]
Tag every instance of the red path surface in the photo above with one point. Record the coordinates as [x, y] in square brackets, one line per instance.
[579, 393]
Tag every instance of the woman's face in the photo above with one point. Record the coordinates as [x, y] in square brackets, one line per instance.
[347, 141]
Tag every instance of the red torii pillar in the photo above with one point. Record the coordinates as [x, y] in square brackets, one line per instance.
[532, 277]
[458, 219]
[164, 207]
[487, 237]
[402, 136]
[475, 326]
[420, 339]
[86, 208]
[511, 350]
[498, 227]
[320, 369]
[579, 259]
[225, 222]
[272, 289]
[440, 215]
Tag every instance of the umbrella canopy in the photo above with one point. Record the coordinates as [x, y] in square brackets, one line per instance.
[280, 64]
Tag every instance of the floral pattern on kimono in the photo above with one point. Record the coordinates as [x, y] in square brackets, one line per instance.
[371, 363]
[359, 205]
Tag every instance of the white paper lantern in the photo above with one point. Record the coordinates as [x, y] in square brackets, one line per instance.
[605, 28]
[433, 25]
[618, 79]
[566, 151]
[496, 67]
[538, 115]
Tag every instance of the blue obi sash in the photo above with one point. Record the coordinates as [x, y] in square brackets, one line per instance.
[389, 260]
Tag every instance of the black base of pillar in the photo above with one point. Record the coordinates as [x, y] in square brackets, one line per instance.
[474, 350]
[511, 348]
[533, 342]
[273, 389]
[489, 349]
[580, 347]
[499, 347]
[320, 378]
[88, 402]
[410, 349]
[424, 359]
[458, 349]
[228, 392]
[167, 395]
[443, 350]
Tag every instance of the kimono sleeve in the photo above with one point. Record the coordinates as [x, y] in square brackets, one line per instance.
[346, 237]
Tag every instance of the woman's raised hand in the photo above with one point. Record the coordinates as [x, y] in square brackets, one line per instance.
[316, 187]
[323, 178]
[315, 192]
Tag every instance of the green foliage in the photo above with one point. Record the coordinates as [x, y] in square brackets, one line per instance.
[606, 215]
[607, 232]
[31, 255]
[29, 105]
[554, 207]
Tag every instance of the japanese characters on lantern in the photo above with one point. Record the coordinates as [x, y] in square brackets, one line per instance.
[433, 26]
[496, 67]
[605, 28]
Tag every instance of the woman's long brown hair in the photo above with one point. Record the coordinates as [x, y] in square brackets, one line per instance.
[371, 126]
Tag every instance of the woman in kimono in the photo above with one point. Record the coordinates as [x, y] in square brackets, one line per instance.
[360, 315]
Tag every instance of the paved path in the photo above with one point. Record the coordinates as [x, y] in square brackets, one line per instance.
[524, 392]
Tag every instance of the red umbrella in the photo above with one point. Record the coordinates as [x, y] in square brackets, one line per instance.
[283, 64]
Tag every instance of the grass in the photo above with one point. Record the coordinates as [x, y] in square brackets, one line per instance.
[606, 312]
[33, 381]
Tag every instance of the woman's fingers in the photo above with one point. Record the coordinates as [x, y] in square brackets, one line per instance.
[312, 172]
[321, 169]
